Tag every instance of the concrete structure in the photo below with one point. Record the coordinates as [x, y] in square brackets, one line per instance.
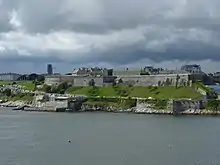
[151, 70]
[192, 68]
[49, 69]
[57, 79]
[176, 106]
[181, 105]
[55, 103]
[9, 76]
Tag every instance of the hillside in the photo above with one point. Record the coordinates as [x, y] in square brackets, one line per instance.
[161, 92]
[29, 85]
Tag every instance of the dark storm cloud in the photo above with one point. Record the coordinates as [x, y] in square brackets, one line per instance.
[119, 32]
[103, 15]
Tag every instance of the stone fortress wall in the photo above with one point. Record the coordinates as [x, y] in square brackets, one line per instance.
[134, 80]
[154, 80]
[75, 80]
[84, 81]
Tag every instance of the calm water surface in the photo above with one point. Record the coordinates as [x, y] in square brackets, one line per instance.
[33, 138]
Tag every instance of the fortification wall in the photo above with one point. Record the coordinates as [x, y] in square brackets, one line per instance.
[154, 80]
[84, 81]
[135, 80]
[186, 104]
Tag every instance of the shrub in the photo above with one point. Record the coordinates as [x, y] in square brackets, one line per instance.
[213, 105]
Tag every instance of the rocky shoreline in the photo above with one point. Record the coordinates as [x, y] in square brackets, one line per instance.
[13, 104]
[134, 110]
[93, 108]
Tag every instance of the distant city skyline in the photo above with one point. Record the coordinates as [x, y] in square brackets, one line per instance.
[66, 67]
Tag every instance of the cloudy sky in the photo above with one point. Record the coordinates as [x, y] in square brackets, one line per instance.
[108, 33]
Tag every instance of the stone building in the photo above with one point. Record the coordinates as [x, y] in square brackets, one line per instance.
[95, 72]
[57, 79]
[192, 68]
[9, 76]
[155, 80]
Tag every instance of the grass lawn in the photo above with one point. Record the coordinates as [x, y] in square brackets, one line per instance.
[26, 84]
[162, 92]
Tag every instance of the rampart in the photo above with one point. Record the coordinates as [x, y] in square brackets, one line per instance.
[157, 80]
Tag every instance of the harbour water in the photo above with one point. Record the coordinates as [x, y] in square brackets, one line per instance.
[35, 138]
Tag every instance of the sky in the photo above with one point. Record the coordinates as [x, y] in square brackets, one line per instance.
[108, 33]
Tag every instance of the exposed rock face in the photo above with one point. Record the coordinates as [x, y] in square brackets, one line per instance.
[94, 107]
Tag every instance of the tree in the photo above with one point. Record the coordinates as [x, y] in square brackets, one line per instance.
[213, 105]
[47, 88]
[184, 84]
[162, 83]
[92, 82]
[32, 76]
[54, 90]
[40, 78]
[188, 83]
[159, 83]
[61, 88]
[7, 92]
[167, 82]
[94, 91]
[177, 80]
[22, 77]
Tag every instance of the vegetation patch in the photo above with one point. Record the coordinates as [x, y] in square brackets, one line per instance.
[159, 92]
[18, 97]
[123, 91]
[61, 88]
[29, 85]
[197, 84]
[213, 105]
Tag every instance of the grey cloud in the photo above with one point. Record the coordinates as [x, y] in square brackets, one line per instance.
[99, 16]
[162, 30]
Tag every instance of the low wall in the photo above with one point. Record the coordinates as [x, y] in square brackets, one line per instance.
[74, 105]
[175, 105]
[51, 106]
[181, 105]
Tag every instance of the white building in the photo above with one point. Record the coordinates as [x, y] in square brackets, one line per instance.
[9, 76]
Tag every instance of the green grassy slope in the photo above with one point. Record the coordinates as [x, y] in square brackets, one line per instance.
[162, 92]
[29, 85]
